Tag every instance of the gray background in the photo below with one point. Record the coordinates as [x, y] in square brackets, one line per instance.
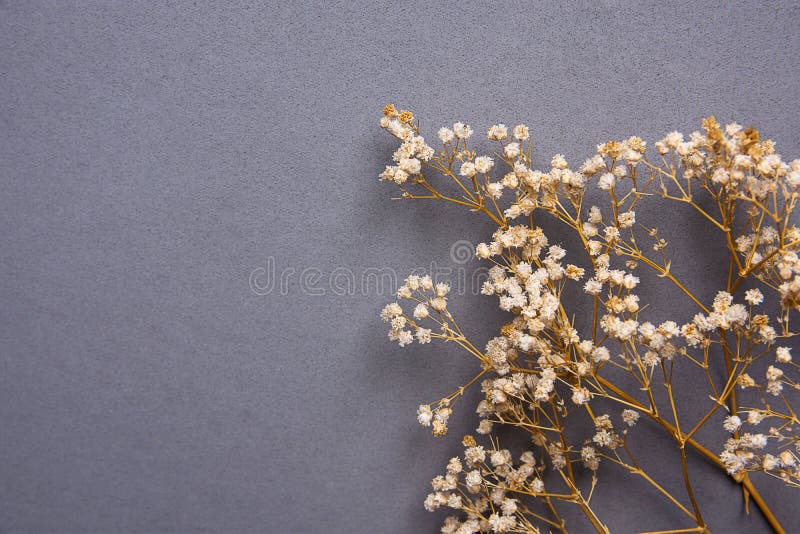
[153, 155]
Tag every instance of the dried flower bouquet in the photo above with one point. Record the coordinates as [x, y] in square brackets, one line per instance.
[540, 375]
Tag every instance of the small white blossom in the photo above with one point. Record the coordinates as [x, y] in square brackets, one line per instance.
[630, 416]
[497, 132]
[581, 395]
[627, 219]
[423, 335]
[511, 150]
[732, 423]
[404, 338]
[468, 169]
[424, 415]
[461, 130]
[521, 132]
[483, 164]
[391, 311]
[606, 181]
[446, 135]
[753, 297]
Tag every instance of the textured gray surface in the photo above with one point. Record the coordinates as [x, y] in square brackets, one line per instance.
[152, 156]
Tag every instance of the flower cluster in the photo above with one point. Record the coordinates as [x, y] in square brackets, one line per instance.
[431, 304]
[542, 374]
[483, 486]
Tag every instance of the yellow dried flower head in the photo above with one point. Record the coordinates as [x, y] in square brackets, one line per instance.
[468, 441]
[637, 144]
[750, 143]
[611, 149]
[507, 330]
[406, 116]
[439, 429]
[389, 110]
[712, 128]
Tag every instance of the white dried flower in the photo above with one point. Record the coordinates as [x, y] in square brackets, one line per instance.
[732, 423]
[753, 297]
[497, 132]
[446, 135]
[581, 395]
[468, 169]
[521, 132]
[424, 415]
[606, 181]
[423, 335]
[630, 416]
[461, 130]
[511, 150]
[483, 164]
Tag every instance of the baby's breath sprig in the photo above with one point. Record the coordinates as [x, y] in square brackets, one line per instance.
[540, 375]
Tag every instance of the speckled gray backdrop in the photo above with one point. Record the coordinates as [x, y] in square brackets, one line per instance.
[154, 155]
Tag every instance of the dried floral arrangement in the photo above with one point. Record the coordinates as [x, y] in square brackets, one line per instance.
[540, 375]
